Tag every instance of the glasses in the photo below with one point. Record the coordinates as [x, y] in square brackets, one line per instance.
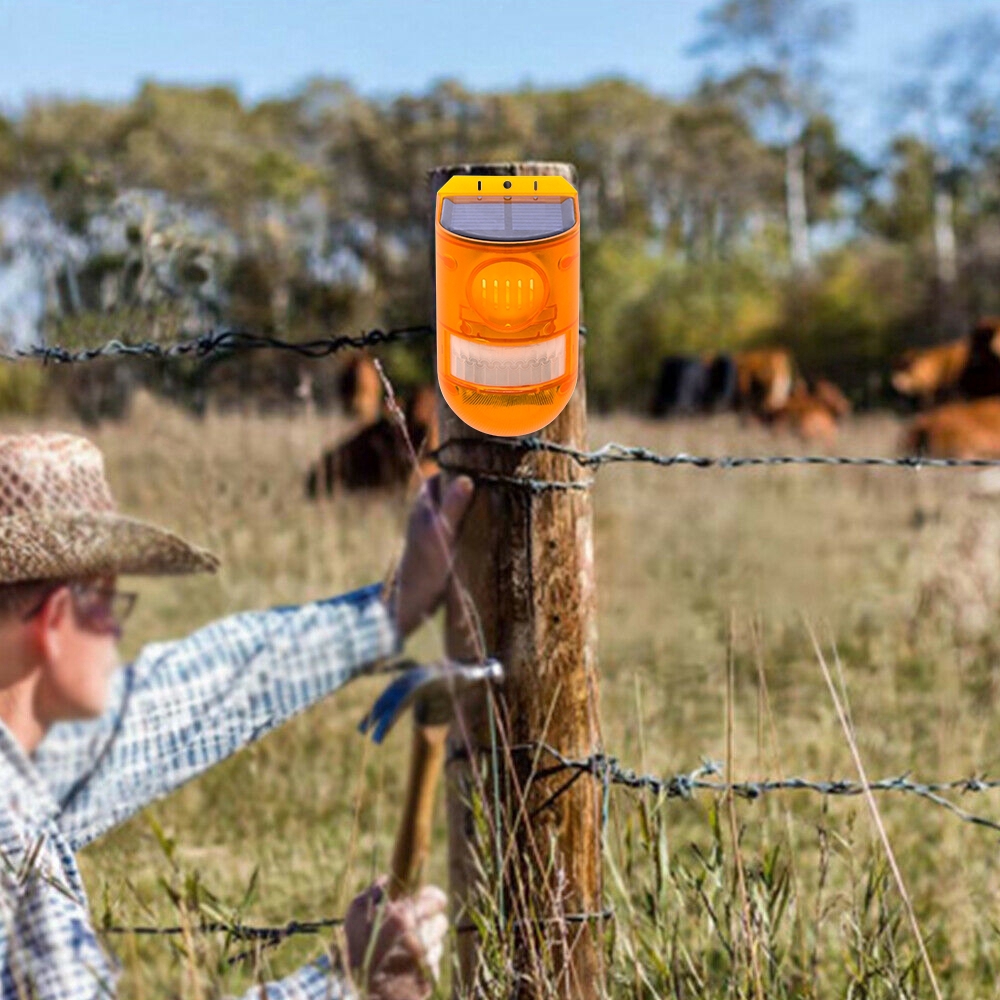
[100, 609]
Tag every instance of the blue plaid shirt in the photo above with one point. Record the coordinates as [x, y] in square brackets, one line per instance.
[176, 710]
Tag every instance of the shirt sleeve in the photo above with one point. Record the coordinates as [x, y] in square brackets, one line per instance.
[316, 981]
[182, 706]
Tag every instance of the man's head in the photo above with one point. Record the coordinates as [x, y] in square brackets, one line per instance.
[63, 543]
[58, 638]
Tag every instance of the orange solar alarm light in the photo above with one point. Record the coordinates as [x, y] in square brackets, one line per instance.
[508, 299]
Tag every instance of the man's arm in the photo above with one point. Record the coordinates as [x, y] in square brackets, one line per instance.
[315, 981]
[182, 706]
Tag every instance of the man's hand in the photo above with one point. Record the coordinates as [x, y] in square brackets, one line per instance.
[394, 947]
[425, 568]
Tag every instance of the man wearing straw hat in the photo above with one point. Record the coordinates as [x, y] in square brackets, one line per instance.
[84, 745]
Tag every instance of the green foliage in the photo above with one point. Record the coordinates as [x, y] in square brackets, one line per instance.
[831, 169]
[686, 219]
[647, 304]
[7, 147]
[616, 274]
[281, 176]
[852, 315]
[908, 216]
[22, 389]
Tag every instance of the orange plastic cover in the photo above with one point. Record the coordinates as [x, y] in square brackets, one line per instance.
[508, 299]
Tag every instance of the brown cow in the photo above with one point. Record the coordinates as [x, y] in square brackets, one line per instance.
[376, 457]
[360, 389]
[811, 412]
[956, 430]
[966, 368]
[830, 395]
[763, 379]
[931, 374]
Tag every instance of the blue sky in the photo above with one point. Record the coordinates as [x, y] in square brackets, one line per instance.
[102, 48]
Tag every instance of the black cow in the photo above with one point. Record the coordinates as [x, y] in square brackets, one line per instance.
[688, 385]
[680, 387]
[981, 375]
[720, 384]
[376, 457]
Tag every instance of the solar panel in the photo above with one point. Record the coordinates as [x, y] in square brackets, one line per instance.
[507, 221]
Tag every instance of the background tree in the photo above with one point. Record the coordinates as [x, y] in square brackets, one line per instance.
[306, 213]
[951, 106]
[779, 44]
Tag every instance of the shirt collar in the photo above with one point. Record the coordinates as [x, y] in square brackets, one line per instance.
[25, 792]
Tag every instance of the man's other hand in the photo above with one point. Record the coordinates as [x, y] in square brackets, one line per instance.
[425, 569]
[394, 946]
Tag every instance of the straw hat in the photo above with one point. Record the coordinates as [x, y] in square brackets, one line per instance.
[58, 519]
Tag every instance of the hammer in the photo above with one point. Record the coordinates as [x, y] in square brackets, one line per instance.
[432, 690]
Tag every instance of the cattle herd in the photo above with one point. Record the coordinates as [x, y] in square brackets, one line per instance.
[760, 384]
[955, 387]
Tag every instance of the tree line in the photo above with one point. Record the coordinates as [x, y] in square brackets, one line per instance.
[733, 216]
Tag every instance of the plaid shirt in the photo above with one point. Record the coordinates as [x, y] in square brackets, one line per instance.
[176, 710]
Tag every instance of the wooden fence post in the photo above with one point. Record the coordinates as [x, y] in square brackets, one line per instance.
[526, 558]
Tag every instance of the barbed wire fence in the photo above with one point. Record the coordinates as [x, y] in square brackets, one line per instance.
[227, 340]
[220, 341]
[608, 770]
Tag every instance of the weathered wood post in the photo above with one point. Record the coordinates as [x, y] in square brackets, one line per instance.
[526, 557]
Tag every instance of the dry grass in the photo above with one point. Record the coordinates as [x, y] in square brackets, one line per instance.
[900, 570]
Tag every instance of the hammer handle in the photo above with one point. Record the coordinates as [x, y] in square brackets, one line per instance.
[414, 835]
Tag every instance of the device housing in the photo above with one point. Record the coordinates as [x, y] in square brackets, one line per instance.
[507, 299]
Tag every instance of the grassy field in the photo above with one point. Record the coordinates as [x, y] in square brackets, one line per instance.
[897, 572]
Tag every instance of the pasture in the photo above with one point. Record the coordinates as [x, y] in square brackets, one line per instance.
[898, 573]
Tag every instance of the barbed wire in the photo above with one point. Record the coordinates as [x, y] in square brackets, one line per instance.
[238, 931]
[247, 932]
[263, 937]
[614, 452]
[610, 771]
[221, 341]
